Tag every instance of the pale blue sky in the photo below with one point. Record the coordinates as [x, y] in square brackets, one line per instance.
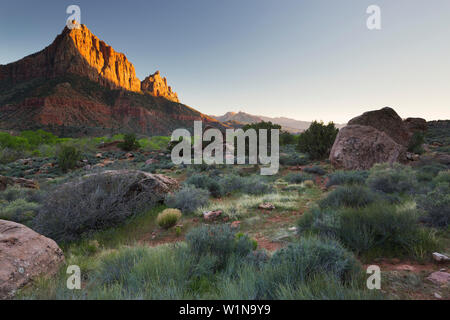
[305, 59]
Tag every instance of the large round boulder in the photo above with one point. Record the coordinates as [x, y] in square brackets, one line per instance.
[387, 121]
[24, 255]
[359, 147]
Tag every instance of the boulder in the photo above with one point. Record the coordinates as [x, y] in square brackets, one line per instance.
[387, 121]
[21, 182]
[416, 124]
[139, 183]
[24, 255]
[359, 147]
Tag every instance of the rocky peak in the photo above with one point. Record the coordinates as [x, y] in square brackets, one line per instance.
[76, 51]
[157, 86]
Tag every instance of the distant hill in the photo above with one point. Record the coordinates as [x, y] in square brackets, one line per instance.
[235, 119]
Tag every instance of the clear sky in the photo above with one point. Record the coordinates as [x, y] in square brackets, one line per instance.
[304, 59]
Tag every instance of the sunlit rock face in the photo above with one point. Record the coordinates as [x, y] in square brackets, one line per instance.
[76, 51]
[157, 86]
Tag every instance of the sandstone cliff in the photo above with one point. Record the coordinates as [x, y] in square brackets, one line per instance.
[157, 86]
[79, 85]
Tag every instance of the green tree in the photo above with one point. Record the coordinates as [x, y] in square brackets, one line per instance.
[317, 140]
[129, 142]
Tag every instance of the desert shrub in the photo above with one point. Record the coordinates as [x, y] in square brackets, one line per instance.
[442, 177]
[416, 142]
[188, 198]
[300, 263]
[315, 170]
[231, 183]
[68, 156]
[8, 155]
[347, 177]
[255, 185]
[298, 177]
[383, 227]
[129, 143]
[348, 196]
[88, 204]
[15, 193]
[219, 242]
[394, 178]
[318, 139]
[293, 159]
[168, 218]
[428, 172]
[18, 210]
[205, 182]
[436, 205]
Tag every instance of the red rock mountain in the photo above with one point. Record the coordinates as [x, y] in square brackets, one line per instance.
[80, 85]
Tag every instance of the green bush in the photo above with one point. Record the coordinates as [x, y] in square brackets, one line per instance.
[68, 157]
[315, 170]
[436, 204]
[206, 182]
[298, 177]
[379, 227]
[394, 178]
[129, 143]
[19, 210]
[347, 177]
[415, 145]
[428, 172]
[354, 196]
[220, 242]
[168, 218]
[317, 140]
[188, 199]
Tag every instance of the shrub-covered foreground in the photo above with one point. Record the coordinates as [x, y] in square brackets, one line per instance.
[216, 263]
[378, 228]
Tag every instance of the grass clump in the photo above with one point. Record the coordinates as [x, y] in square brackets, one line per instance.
[354, 196]
[347, 177]
[188, 198]
[168, 218]
[394, 178]
[436, 205]
[296, 178]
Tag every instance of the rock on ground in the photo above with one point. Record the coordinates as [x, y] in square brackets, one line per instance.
[359, 147]
[387, 121]
[24, 255]
[11, 181]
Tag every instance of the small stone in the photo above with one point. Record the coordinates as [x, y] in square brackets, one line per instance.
[210, 215]
[439, 277]
[440, 257]
[235, 224]
[98, 155]
[266, 206]
[292, 229]
[437, 295]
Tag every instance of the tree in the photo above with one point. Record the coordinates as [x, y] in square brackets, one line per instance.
[318, 139]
